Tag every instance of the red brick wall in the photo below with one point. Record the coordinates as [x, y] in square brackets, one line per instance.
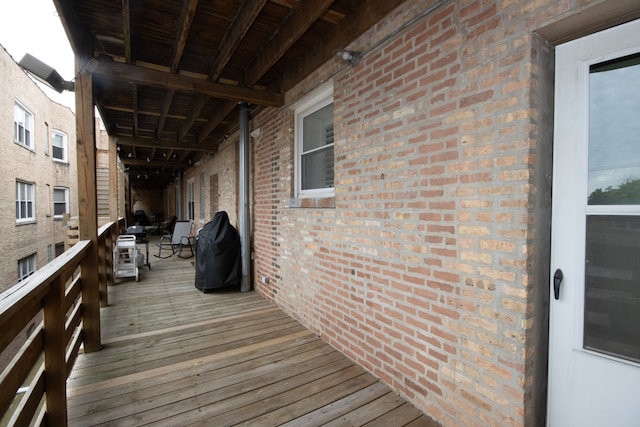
[432, 269]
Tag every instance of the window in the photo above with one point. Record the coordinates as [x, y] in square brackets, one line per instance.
[191, 199]
[60, 202]
[202, 196]
[25, 202]
[314, 145]
[59, 146]
[23, 126]
[26, 267]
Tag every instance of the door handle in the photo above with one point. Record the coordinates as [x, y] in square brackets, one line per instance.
[557, 279]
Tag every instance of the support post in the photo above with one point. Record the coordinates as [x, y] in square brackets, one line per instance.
[87, 200]
[245, 238]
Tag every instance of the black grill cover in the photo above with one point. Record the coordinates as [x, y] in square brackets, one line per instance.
[218, 259]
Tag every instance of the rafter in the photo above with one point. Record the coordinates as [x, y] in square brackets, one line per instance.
[138, 75]
[235, 33]
[303, 15]
[160, 144]
[359, 20]
[301, 18]
[126, 30]
[185, 20]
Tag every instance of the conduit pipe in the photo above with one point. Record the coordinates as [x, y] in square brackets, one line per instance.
[243, 227]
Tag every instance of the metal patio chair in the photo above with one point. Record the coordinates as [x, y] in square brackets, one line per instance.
[179, 238]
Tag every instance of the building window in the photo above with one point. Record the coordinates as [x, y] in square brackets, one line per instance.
[191, 199]
[60, 202]
[59, 146]
[314, 145]
[25, 202]
[23, 126]
[26, 267]
[59, 249]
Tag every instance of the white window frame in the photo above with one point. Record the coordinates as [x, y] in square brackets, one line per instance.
[319, 99]
[64, 149]
[191, 199]
[66, 201]
[23, 126]
[26, 267]
[27, 197]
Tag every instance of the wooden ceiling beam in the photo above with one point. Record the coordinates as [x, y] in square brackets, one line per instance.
[110, 70]
[363, 17]
[302, 16]
[185, 20]
[243, 20]
[153, 163]
[159, 144]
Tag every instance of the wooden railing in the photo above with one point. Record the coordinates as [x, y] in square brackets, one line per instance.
[51, 307]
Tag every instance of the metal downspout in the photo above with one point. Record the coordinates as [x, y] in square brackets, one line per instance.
[243, 228]
[179, 195]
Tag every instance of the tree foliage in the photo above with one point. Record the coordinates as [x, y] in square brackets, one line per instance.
[627, 193]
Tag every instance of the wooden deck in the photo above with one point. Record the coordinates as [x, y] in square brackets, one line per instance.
[175, 356]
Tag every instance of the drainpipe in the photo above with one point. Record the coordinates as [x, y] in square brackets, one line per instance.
[179, 195]
[245, 253]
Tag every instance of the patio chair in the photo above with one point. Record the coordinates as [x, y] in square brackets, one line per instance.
[179, 238]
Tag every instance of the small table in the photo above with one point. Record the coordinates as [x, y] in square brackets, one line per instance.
[141, 237]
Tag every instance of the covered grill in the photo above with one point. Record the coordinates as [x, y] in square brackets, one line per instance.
[218, 261]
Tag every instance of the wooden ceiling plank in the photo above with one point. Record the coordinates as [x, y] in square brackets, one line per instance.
[364, 16]
[302, 16]
[154, 78]
[126, 30]
[162, 144]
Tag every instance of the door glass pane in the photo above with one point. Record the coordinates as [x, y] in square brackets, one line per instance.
[614, 126]
[612, 294]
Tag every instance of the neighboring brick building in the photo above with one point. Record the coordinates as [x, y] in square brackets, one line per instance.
[38, 169]
[427, 260]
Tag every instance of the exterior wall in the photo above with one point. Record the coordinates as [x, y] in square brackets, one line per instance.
[431, 271]
[224, 165]
[36, 166]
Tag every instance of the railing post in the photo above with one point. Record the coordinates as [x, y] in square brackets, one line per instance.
[102, 270]
[54, 354]
[110, 237]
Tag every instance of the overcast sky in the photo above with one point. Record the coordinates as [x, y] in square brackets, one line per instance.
[32, 26]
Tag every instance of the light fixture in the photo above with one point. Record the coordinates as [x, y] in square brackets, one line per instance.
[44, 73]
[129, 155]
[148, 159]
[350, 57]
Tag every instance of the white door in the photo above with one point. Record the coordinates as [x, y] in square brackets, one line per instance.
[594, 336]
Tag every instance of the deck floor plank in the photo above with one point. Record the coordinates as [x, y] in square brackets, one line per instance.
[176, 356]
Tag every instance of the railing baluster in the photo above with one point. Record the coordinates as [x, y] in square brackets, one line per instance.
[54, 354]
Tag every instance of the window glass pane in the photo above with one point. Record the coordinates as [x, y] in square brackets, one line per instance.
[614, 146]
[612, 289]
[317, 169]
[59, 196]
[318, 129]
